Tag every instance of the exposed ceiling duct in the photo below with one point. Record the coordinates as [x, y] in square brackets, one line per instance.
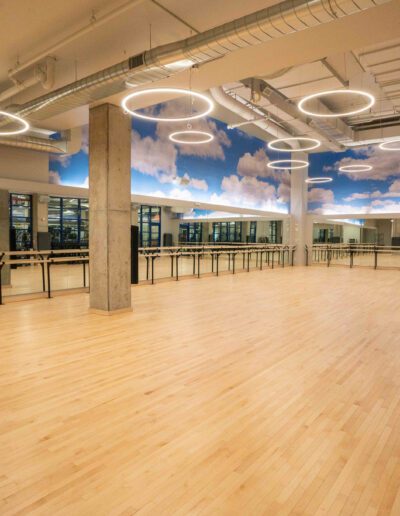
[69, 144]
[287, 107]
[273, 22]
[248, 113]
[42, 73]
[33, 143]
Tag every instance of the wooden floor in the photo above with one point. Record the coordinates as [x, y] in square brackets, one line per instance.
[274, 393]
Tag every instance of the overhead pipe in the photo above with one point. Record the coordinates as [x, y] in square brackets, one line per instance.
[277, 21]
[70, 144]
[284, 104]
[34, 143]
[43, 74]
[247, 113]
[18, 87]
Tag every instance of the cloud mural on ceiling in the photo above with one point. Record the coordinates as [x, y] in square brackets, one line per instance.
[230, 170]
[373, 191]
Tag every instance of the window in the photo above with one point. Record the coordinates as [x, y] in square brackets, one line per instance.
[253, 231]
[274, 237]
[150, 226]
[68, 222]
[20, 221]
[190, 232]
[227, 231]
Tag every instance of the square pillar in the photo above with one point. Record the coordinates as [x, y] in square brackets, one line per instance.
[5, 233]
[300, 223]
[109, 209]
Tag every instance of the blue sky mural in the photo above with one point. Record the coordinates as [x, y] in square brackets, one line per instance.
[230, 170]
[374, 191]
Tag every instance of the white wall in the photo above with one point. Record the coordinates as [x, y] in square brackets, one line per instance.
[169, 224]
[351, 232]
[24, 164]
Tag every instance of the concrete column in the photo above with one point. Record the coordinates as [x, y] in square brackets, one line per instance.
[286, 231]
[109, 209]
[40, 216]
[300, 223]
[5, 233]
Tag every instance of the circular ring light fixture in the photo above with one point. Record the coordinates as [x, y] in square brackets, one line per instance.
[284, 164]
[310, 144]
[369, 99]
[180, 91]
[318, 180]
[355, 168]
[14, 118]
[386, 145]
[202, 137]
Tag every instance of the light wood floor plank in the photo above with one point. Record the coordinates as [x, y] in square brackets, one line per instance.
[269, 393]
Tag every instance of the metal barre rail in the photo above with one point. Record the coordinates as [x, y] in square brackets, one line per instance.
[47, 258]
[44, 259]
[322, 253]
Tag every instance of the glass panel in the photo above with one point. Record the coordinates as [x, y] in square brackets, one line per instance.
[70, 231]
[20, 206]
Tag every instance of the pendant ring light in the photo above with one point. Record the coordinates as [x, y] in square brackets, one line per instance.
[386, 145]
[180, 91]
[355, 168]
[202, 137]
[284, 164]
[370, 101]
[318, 180]
[310, 144]
[24, 128]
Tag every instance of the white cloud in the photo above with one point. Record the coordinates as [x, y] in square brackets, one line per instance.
[284, 192]
[63, 159]
[157, 193]
[393, 191]
[255, 165]
[177, 193]
[199, 184]
[320, 195]
[376, 206]
[157, 158]
[336, 209]
[247, 191]
[153, 157]
[177, 108]
[384, 164]
[54, 177]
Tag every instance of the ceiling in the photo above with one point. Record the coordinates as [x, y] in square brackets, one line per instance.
[348, 53]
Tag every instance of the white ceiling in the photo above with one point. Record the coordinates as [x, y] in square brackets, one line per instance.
[31, 26]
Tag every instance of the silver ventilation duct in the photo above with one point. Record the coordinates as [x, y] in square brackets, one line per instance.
[33, 143]
[70, 143]
[273, 22]
[247, 113]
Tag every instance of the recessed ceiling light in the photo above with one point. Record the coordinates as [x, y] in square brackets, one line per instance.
[370, 101]
[180, 91]
[14, 118]
[387, 145]
[201, 137]
[318, 180]
[284, 164]
[355, 168]
[313, 144]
